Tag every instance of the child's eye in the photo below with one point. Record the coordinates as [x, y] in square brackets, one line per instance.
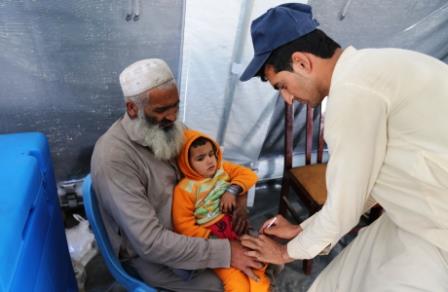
[200, 158]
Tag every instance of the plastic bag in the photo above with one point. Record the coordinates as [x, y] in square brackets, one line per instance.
[81, 241]
[82, 248]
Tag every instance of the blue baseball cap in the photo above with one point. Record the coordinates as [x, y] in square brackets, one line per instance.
[278, 26]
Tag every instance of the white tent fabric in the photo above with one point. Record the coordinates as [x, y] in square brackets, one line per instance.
[216, 48]
[60, 62]
[60, 74]
[242, 116]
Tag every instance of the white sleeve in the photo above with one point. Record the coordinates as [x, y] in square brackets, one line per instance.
[356, 135]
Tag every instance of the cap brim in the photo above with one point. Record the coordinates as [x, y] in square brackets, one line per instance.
[254, 66]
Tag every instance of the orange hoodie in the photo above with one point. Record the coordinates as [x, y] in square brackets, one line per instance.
[196, 199]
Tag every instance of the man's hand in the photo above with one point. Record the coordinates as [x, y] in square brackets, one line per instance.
[243, 262]
[228, 202]
[240, 217]
[266, 250]
[281, 228]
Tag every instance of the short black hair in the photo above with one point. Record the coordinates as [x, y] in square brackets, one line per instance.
[316, 42]
[200, 142]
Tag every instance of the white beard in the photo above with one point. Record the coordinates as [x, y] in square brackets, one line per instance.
[164, 144]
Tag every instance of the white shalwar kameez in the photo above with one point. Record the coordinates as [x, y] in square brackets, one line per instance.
[387, 134]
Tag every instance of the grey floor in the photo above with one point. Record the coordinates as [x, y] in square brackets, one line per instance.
[291, 278]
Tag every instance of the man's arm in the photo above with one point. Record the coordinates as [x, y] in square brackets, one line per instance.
[124, 196]
[240, 216]
[356, 134]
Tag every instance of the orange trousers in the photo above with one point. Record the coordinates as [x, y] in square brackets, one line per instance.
[236, 281]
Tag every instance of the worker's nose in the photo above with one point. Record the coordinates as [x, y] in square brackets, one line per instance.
[287, 97]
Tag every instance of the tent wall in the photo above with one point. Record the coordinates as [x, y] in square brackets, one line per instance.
[61, 59]
[217, 47]
[60, 62]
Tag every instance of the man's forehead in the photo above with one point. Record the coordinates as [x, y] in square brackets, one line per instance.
[268, 69]
[164, 96]
[270, 75]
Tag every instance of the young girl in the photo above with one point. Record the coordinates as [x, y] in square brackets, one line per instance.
[204, 198]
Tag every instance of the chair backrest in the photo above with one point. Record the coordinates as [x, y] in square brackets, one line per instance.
[289, 135]
[112, 262]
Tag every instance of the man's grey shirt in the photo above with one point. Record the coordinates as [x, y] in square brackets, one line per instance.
[134, 190]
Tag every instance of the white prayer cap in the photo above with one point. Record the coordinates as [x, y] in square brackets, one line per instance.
[144, 75]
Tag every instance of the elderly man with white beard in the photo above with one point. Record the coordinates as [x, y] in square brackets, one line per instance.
[134, 172]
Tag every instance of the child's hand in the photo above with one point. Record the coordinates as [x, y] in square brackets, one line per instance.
[227, 202]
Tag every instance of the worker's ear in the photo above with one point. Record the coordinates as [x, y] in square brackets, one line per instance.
[132, 109]
[301, 63]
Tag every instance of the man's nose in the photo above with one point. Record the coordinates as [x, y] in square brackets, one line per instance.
[287, 97]
[172, 116]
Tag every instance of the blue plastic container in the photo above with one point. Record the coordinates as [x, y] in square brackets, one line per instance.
[32, 144]
[33, 250]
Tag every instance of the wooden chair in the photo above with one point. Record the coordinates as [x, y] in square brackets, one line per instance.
[307, 181]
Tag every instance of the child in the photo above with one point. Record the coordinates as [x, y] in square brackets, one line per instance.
[204, 198]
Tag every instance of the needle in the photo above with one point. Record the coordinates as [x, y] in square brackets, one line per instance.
[271, 222]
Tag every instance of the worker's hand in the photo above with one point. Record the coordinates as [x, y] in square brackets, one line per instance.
[241, 261]
[228, 202]
[265, 249]
[281, 228]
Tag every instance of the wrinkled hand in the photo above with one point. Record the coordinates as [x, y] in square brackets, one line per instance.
[281, 228]
[243, 262]
[240, 216]
[265, 249]
[228, 202]
[240, 220]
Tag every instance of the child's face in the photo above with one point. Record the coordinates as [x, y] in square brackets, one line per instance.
[203, 160]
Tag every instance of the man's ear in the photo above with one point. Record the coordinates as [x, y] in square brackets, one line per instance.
[132, 109]
[301, 62]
